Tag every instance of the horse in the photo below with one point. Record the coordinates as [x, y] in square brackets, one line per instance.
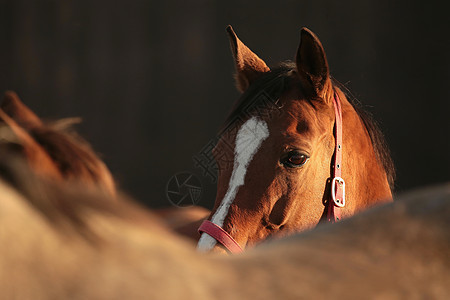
[62, 240]
[55, 150]
[294, 151]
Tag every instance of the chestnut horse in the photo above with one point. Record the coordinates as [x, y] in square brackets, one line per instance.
[290, 131]
[64, 241]
[54, 150]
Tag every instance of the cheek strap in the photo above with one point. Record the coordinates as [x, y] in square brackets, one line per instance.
[337, 200]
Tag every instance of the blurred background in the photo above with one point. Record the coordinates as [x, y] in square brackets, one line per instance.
[153, 80]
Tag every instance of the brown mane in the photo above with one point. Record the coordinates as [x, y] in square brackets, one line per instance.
[275, 82]
[56, 142]
[377, 138]
[72, 154]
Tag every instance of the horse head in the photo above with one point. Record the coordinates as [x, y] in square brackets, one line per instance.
[275, 154]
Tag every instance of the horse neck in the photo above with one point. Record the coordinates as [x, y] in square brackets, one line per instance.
[365, 176]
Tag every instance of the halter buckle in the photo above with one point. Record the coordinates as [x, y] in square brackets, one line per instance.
[340, 186]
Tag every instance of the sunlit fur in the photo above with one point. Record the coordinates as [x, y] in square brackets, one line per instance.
[64, 241]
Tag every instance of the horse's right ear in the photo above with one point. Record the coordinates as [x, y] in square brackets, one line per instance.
[18, 111]
[248, 65]
[312, 66]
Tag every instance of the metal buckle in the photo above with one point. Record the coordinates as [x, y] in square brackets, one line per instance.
[341, 183]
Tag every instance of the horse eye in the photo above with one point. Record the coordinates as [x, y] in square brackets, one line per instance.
[295, 159]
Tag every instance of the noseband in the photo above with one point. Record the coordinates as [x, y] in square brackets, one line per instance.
[335, 204]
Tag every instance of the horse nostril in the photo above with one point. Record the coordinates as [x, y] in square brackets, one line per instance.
[274, 226]
[270, 226]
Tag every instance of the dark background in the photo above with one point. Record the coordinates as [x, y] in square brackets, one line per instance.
[153, 79]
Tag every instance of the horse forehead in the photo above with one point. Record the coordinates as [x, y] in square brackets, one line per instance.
[296, 115]
[292, 123]
[299, 117]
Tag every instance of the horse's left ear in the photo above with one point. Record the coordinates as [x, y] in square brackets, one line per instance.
[312, 66]
[249, 66]
[35, 154]
[18, 111]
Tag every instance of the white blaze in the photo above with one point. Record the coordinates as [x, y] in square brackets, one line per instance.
[248, 140]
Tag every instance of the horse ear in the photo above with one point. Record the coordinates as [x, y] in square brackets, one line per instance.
[248, 65]
[312, 66]
[36, 156]
[18, 111]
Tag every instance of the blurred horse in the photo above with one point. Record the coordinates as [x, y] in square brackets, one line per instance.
[294, 151]
[55, 150]
[61, 240]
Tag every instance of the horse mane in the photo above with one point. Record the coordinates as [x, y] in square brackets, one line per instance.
[72, 155]
[376, 135]
[267, 90]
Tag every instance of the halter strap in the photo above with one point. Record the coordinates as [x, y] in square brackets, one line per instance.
[220, 235]
[337, 183]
